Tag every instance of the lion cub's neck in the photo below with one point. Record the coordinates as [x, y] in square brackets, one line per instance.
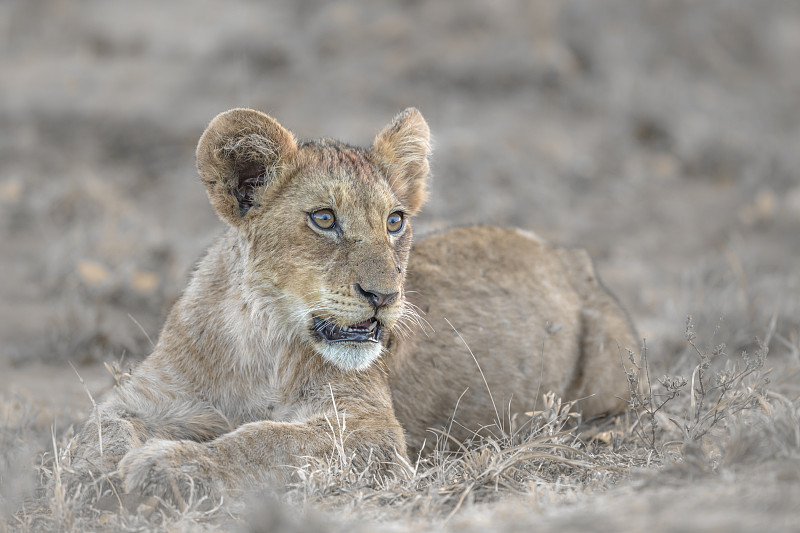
[227, 341]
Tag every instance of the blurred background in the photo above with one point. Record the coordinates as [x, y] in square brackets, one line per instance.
[663, 136]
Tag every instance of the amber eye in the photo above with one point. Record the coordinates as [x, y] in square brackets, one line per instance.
[395, 222]
[323, 219]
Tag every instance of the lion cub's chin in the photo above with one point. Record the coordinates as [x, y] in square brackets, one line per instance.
[350, 355]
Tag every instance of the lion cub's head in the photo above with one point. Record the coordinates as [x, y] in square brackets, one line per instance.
[323, 227]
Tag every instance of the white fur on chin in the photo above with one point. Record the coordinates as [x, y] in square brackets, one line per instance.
[350, 357]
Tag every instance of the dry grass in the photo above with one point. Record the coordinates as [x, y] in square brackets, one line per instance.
[720, 420]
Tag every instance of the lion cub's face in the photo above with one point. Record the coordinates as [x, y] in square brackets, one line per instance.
[326, 225]
[338, 255]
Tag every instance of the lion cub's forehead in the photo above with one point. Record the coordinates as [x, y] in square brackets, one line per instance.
[330, 156]
[342, 173]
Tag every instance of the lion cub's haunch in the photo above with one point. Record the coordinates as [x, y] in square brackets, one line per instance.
[313, 313]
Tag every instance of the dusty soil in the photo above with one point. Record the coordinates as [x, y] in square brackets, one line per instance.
[662, 136]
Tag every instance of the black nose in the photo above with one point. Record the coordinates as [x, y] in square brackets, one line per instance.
[377, 299]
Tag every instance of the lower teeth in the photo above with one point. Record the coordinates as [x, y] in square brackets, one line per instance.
[355, 332]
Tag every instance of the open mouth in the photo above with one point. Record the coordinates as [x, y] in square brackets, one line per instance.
[366, 331]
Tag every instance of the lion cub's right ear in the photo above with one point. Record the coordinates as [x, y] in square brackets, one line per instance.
[241, 152]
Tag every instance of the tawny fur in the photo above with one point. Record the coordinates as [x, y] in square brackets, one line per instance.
[239, 389]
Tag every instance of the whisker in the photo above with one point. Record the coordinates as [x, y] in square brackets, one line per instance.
[422, 322]
[402, 329]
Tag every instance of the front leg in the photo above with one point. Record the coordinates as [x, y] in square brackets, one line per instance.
[258, 452]
[103, 441]
[176, 469]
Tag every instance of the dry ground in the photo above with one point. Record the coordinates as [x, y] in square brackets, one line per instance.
[661, 135]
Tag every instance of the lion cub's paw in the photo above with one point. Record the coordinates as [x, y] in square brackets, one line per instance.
[177, 470]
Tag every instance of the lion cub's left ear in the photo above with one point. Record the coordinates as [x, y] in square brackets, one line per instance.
[238, 156]
[402, 150]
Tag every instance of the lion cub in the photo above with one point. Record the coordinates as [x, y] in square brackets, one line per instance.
[314, 315]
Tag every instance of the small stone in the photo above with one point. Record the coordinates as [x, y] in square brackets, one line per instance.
[92, 273]
[761, 209]
[144, 281]
[10, 191]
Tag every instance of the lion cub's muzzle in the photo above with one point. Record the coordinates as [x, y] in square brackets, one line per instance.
[367, 331]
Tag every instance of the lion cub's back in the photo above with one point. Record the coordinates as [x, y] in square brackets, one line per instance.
[509, 295]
